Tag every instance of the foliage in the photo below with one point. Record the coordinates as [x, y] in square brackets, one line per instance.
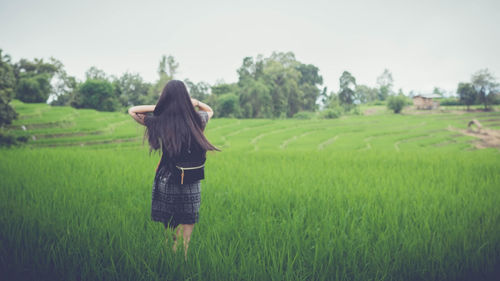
[354, 110]
[304, 115]
[64, 90]
[223, 88]
[199, 91]
[438, 91]
[33, 79]
[9, 140]
[94, 73]
[450, 102]
[346, 92]
[168, 66]
[495, 99]
[255, 99]
[167, 69]
[331, 113]
[365, 94]
[96, 94]
[485, 85]
[385, 82]
[7, 85]
[131, 89]
[34, 89]
[466, 93]
[309, 82]
[397, 103]
[277, 86]
[379, 102]
[228, 105]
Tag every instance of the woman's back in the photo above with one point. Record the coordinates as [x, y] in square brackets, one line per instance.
[177, 130]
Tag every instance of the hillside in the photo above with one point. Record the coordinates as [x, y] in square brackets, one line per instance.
[65, 126]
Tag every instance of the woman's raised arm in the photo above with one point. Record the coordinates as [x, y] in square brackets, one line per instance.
[203, 107]
[138, 112]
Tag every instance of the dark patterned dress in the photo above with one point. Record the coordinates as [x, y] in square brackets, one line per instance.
[174, 204]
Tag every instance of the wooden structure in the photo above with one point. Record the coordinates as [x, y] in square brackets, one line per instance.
[426, 101]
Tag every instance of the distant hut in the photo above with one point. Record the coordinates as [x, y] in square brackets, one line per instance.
[426, 101]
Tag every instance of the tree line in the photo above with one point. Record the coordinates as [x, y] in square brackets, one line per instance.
[278, 86]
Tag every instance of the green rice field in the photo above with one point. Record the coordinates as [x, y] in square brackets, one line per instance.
[361, 197]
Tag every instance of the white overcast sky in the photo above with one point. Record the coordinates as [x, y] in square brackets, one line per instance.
[423, 43]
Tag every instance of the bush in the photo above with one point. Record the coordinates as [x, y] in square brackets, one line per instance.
[353, 110]
[34, 89]
[10, 140]
[331, 113]
[450, 101]
[96, 94]
[397, 103]
[7, 112]
[304, 115]
[228, 105]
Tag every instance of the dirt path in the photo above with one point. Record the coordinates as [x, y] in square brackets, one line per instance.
[487, 138]
[370, 111]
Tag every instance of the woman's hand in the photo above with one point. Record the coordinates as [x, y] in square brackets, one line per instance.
[203, 107]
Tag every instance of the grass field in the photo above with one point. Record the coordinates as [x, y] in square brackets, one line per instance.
[379, 197]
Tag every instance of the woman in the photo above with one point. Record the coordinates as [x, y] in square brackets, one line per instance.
[176, 128]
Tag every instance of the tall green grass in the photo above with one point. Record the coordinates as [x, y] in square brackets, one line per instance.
[80, 214]
[382, 197]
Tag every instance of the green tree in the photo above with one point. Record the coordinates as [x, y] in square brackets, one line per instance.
[33, 80]
[255, 99]
[333, 107]
[168, 66]
[7, 84]
[96, 94]
[346, 93]
[167, 69]
[277, 86]
[385, 82]
[309, 83]
[199, 91]
[283, 78]
[64, 86]
[246, 71]
[253, 91]
[221, 88]
[486, 86]
[365, 93]
[94, 73]
[466, 93]
[438, 91]
[34, 89]
[131, 89]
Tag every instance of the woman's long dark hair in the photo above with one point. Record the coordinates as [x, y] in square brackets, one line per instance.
[175, 123]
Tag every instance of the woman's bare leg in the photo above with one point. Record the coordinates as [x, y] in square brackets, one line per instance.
[186, 230]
